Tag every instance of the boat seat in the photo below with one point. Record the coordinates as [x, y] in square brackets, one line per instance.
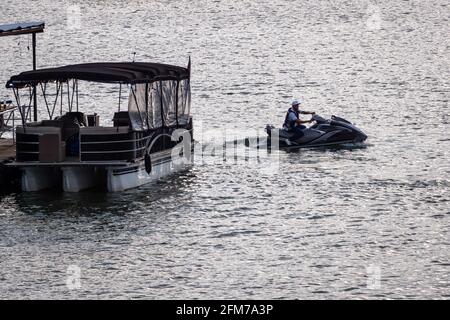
[73, 117]
[104, 130]
[34, 124]
[38, 130]
[52, 123]
[122, 118]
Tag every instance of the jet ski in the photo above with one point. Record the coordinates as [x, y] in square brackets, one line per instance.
[324, 132]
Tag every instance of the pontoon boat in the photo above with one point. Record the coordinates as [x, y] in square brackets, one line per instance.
[150, 139]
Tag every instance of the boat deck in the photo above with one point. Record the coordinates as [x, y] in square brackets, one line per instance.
[7, 149]
[68, 163]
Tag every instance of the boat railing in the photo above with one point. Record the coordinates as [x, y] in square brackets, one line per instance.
[111, 143]
[8, 118]
[56, 141]
[40, 143]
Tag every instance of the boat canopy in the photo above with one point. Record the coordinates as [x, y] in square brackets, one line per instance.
[107, 72]
[159, 95]
[21, 28]
[24, 28]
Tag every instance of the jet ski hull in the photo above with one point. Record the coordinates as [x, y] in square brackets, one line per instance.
[333, 132]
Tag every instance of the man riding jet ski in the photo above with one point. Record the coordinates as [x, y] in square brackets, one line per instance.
[334, 131]
[292, 122]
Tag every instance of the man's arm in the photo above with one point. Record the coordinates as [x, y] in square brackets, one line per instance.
[298, 121]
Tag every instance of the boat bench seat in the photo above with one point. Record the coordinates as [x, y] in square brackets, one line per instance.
[107, 144]
[104, 130]
[39, 144]
[38, 130]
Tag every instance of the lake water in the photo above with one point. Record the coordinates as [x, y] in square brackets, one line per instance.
[370, 222]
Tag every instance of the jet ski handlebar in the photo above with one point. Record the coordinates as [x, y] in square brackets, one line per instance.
[318, 119]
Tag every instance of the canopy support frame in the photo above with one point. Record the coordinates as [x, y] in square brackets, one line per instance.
[176, 103]
[163, 122]
[146, 104]
[34, 87]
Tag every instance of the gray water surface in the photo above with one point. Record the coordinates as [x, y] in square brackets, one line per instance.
[368, 222]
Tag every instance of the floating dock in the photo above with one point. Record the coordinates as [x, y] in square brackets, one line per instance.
[9, 177]
[7, 149]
